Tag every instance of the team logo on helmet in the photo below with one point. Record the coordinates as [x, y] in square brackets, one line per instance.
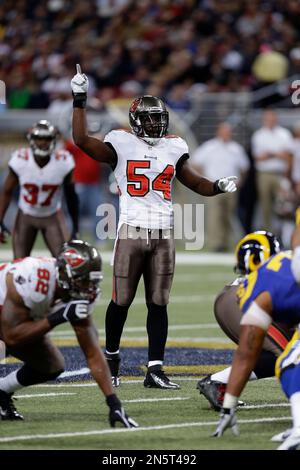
[74, 258]
[134, 105]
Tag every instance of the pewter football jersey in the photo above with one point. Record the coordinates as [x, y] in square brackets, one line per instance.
[144, 175]
[40, 188]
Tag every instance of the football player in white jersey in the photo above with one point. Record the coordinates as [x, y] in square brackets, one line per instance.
[145, 162]
[36, 295]
[41, 173]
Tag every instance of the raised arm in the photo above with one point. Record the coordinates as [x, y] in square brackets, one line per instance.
[93, 147]
[188, 176]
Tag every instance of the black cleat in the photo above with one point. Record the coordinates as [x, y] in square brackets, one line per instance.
[156, 378]
[214, 392]
[118, 415]
[8, 411]
[113, 361]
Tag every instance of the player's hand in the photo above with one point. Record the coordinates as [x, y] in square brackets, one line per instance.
[118, 415]
[227, 185]
[4, 232]
[76, 310]
[80, 82]
[227, 420]
[73, 311]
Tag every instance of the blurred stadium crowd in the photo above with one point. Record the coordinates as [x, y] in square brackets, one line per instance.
[189, 52]
[171, 49]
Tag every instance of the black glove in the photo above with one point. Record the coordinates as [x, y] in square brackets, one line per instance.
[227, 420]
[4, 232]
[74, 311]
[117, 413]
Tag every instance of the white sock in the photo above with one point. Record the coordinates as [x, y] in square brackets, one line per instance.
[115, 352]
[223, 376]
[155, 363]
[10, 384]
[295, 405]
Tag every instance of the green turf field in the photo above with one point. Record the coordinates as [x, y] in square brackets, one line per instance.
[74, 416]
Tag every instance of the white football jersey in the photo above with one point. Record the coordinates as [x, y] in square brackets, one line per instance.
[35, 280]
[40, 188]
[144, 175]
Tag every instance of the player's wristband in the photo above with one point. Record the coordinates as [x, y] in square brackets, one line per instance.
[230, 401]
[113, 401]
[79, 100]
[56, 318]
[217, 190]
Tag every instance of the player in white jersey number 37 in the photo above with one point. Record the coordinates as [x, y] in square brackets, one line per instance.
[145, 162]
[41, 173]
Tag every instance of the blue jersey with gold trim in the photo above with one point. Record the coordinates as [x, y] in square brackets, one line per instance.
[274, 276]
[290, 356]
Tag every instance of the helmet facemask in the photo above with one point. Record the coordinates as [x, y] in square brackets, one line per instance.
[42, 139]
[149, 119]
[81, 287]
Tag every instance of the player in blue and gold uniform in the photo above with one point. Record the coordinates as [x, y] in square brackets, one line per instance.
[269, 294]
[288, 371]
[276, 278]
[251, 252]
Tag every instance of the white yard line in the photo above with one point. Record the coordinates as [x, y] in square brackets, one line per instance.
[265, 405]
[26, 437]
[51, 394]
[137, 329]
[139, 400]
[182, 258]
[146, 400]
[209, 277]
[132, 381]
[179, 299]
